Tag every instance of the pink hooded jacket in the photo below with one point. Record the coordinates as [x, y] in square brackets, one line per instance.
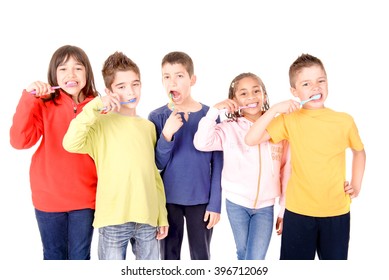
[252, 176]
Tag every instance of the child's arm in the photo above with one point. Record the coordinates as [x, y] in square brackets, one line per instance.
[27, 123]
[358, 168]
[286, 170]
[76, 136]
[208, 138]
[172, 125]
[212, 214]
[257, 133]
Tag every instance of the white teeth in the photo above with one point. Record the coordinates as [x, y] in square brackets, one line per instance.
[71, 84]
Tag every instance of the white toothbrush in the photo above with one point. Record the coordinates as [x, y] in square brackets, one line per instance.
[315, 97]
[241, 107]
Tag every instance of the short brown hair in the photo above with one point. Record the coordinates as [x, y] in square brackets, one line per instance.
[303, 61]
[116, 62]
[179, 58]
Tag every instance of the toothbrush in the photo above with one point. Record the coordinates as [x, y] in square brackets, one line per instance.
[70, 84]
[241, 107]
[123, 102]
[171, 101]
[55, 87]
[315, 97]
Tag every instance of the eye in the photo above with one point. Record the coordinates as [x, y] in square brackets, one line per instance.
[137, 84]
[305, 84]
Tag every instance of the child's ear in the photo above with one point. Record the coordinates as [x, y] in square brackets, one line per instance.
[294, 92]
[107, 91]
[193, 80]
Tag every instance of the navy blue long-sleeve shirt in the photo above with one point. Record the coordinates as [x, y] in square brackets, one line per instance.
[190, 177]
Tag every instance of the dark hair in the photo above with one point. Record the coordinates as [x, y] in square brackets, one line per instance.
[179, 58]
[117, 61]
[62, 55]
[303, 61]
[232, 91]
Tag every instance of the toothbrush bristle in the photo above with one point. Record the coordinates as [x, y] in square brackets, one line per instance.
[71, 84]
[316, 96]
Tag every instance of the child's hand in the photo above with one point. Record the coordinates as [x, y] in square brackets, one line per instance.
[172, 125]
[228, 104]
[349, 189]
[162, 232]
[40, 88]
[212, 217]
[286, 107]
[279, 224]
[111, 102]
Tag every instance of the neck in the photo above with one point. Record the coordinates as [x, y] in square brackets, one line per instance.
[131, 112]
[189, 105]
[253, 118]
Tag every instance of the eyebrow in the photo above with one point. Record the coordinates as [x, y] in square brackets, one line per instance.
[122, 83]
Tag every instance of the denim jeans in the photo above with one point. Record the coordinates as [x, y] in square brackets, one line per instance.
[113, 241]
[252, 230]
[66, 235]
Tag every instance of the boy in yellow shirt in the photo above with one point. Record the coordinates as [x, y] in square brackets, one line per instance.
[317, 215]
[130, 199]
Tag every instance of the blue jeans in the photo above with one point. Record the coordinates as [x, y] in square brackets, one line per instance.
[252, 230]
[66, 235]
[113, 241]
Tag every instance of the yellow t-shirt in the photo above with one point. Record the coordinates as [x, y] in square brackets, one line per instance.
[318, 141]
[130, 188]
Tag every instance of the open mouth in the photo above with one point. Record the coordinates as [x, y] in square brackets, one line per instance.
[174, 95]
[71, 84]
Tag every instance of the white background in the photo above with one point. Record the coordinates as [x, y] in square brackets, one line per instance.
[224, 38]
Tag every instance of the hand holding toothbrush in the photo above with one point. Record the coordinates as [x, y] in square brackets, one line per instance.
[40, 89]
[230, 105]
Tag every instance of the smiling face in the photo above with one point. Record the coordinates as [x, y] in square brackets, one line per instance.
[248, 91]
[310, 81]
[177, 82]
[71, 76]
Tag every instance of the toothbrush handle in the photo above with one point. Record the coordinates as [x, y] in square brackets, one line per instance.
[55, 87]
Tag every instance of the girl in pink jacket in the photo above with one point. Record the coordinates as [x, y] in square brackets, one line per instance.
[252, 177]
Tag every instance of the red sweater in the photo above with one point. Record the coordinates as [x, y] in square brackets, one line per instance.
[60, 181]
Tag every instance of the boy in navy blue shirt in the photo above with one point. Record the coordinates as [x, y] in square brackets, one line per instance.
[192, 179]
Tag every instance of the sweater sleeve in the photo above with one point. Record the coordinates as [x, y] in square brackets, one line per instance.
[215, 197]
[77, 135]
[162, 217]
[208, 137]
[163, 149]
[27, 124]
[285, 172]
